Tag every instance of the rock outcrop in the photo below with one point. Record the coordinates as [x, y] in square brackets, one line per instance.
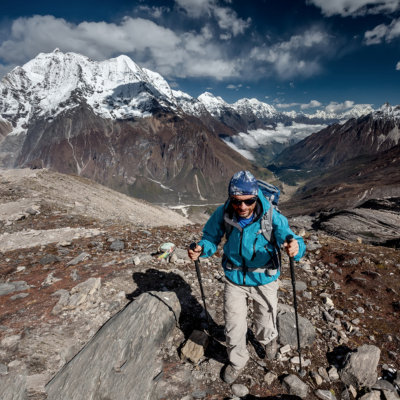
[119, 360]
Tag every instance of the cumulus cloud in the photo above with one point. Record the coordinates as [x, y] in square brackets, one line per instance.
[311, 104]
[398, 66]
[160, 49]
[334, 107]
[245, 143]
[226, 17]
[291, 84]
[303, 106]
[295, 57]
[231, 87]
[383, 32]
[346, 8]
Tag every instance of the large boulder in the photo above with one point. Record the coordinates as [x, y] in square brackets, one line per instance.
[359, 367]
[286, 324]
[118, 362]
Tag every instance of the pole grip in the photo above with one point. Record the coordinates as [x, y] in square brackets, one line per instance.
[289, 238]
[196, 263]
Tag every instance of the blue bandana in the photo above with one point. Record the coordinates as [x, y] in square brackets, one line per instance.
[243, 183]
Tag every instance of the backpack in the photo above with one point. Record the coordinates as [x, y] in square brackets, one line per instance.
[271, 193]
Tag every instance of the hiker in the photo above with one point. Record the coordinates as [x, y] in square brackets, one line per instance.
[250, 264]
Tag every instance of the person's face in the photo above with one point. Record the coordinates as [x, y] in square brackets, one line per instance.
[242, 209]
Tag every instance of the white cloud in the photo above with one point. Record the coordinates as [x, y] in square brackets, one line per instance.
[334, 107]
[160, 49]
[173, 84]
[244, 143]
[267, 97]
[398, 66]
[303, 106]
[346, 8]
[155, 12]
[311, 104]
[383, 32]
[296, 57]
[287, 105]
[209, 88]
[291, 84]
[280, 93]
[225, 36]
[226, 17]
[231, 87]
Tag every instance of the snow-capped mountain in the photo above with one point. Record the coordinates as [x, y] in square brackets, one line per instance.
[115, 123]
[52, 83]
[215, 105]
[258, 108]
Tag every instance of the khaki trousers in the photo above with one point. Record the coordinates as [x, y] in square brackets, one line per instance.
[235, 311]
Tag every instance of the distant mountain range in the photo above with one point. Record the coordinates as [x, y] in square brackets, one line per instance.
[370, 134]
[124, 127]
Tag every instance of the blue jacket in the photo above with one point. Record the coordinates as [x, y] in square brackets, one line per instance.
[246, 247]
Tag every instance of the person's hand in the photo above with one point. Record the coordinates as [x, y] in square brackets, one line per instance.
[292, 248]
[195, 254]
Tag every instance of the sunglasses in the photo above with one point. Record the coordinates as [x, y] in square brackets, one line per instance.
[248, 202]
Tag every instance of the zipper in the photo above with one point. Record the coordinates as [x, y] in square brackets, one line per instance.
[244, 261]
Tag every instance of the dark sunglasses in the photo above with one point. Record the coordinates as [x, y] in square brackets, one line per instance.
[248, 202]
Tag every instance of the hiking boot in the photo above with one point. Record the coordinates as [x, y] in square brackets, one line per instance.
[231, 374]
[270, 349]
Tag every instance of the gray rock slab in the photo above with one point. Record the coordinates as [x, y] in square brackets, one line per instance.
[13, 387]
[286, 324]
[19, 296]
[388, 395]
[11, 287]
[359, 367]
[119, 360]
[49, 259]
[382, 384]
[324, 394]
[295, 386]
[83, 256]
[239, 390]
[374, 395]
[3, 369]
[117, 245]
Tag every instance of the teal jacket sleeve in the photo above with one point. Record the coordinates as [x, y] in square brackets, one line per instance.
[213, 232]
[281, 230]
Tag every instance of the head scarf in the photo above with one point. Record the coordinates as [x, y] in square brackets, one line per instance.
[243, 183]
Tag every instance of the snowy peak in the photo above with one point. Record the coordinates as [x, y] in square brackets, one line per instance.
[213, 104]
[190, 105]
[387, 111]
[258, 108]
[115, 88]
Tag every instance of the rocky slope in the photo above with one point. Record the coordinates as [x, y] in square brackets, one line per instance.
[350, 184]
[370, 134]
[56, 294]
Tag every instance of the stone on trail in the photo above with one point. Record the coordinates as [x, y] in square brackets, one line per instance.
[50, 279]
[130, 340]
[10, 287]
[287, 284]
[295, 386]
[35, 384]
[359, 367]
[325, 394]
[388, 395]
[3, 369]
[13, 386]
[316, 378]
[83, 256]
[239, 390]
[323, 373]
[270, 377]
[11, 342]
[117, 245]
[195, 347]
[383, 384]
[49, 259]
[374, 395]
[333, 374]
[19, 296]
[286, 324]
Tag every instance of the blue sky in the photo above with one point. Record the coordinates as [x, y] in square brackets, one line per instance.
[294, 54]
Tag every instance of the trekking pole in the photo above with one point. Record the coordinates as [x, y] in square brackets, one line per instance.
[289, 238]
[197, 264]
